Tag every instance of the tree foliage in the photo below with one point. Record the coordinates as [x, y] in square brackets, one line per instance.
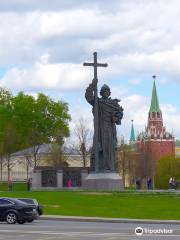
[129, 164]
[57, 158]
[167, 167]
[26, 121]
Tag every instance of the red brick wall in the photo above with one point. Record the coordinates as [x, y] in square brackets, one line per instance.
[161, 149]
[157, 149]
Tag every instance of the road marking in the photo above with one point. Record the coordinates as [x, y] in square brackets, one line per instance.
[65, 233]
[109, 235]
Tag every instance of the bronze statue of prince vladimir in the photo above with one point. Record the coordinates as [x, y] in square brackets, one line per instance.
[110, 114]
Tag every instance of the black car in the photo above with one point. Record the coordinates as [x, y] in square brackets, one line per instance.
[13, 210]
[34, 203]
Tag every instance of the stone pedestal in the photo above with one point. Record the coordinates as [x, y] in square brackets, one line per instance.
[59, 179]
[103, 182]
[36, 179]
[84, 174]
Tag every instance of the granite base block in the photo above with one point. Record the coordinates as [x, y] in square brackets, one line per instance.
[103, 182]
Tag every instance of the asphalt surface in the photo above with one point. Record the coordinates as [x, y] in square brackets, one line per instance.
[67, 230]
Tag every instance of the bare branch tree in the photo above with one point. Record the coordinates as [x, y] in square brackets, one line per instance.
[129, 163]
[27, 161]
[83, 135]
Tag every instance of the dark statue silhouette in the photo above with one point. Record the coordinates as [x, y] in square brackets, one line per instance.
[107, 113]
[110, 114]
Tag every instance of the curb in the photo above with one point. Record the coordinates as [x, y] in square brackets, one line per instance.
[107, 220]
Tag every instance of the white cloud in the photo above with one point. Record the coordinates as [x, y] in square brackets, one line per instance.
[43, 45]
[34, 94]
[171, 116]
[135, 108]
[44, 75]
[70, 35]
[164, 63]
[46, 5]
[118, 92]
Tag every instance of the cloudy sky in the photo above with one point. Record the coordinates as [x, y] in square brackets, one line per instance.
[43, 44]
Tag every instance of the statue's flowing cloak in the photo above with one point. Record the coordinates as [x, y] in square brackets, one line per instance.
[110, 113]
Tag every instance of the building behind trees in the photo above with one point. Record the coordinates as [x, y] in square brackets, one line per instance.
[139, 158]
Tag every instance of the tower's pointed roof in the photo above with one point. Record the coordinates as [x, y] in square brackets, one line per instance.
[132, 136]
[154, 100]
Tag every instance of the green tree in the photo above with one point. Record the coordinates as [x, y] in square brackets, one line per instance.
[23, 108]
[29, 122]
[8, 132]
[57, 157]
[40, 120]
[166, 167]
[50, 122]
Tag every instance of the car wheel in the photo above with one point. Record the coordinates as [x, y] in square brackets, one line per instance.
[30, 220]
[21, 221]
[11, 218]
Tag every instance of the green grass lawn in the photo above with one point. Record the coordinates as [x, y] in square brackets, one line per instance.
[120, 205]
[17, 186]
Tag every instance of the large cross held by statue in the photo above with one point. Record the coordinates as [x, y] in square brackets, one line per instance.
[95, 64]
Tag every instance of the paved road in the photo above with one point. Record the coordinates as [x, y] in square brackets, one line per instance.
[67, 230]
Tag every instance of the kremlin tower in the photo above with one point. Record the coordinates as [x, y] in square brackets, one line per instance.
[155, 142]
